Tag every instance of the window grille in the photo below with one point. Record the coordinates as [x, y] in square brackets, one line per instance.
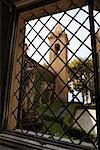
[53, 80]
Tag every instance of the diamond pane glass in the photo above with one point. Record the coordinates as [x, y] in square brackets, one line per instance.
[56, 94]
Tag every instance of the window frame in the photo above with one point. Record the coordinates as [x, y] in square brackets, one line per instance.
[11, 138]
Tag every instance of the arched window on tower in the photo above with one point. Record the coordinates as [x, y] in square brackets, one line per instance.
[57, 48]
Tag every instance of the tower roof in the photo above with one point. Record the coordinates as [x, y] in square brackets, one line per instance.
[58, 30]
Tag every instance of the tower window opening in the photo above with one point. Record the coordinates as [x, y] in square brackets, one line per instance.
[57, 48]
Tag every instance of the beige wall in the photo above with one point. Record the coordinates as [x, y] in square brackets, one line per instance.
[98, 41]
[58, 65]
[13, 104]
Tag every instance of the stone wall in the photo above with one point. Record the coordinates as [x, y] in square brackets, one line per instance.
[38, 83]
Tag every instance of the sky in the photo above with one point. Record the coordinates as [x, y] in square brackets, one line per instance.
[84, 50]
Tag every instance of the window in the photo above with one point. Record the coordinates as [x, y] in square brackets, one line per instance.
[57, 48]
[54, 93]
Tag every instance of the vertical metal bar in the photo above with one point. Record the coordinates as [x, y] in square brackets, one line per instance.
[19, 116]
[95, 65]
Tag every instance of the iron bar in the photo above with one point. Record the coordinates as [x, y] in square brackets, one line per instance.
[95, 63]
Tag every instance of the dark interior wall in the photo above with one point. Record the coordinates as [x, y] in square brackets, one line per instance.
[7, 17]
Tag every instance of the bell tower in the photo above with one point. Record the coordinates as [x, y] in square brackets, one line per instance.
[58, 58]
[98, 40]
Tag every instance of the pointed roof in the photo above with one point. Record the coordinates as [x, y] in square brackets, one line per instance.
[58, 30]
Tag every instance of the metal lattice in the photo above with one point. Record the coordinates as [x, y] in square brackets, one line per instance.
[49, 103]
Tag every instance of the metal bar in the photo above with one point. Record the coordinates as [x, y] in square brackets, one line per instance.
[95, 64]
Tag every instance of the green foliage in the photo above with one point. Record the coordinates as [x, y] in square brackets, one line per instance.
[58, 109]
[81, 64]
[57, 127]
[81, 73]
[54, 128]
[47, 112]
[71, 112]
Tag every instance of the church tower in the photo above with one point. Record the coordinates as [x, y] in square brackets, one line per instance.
[98, 40]
[58, 58]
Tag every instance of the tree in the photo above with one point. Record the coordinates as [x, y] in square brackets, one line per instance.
[81, 76]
